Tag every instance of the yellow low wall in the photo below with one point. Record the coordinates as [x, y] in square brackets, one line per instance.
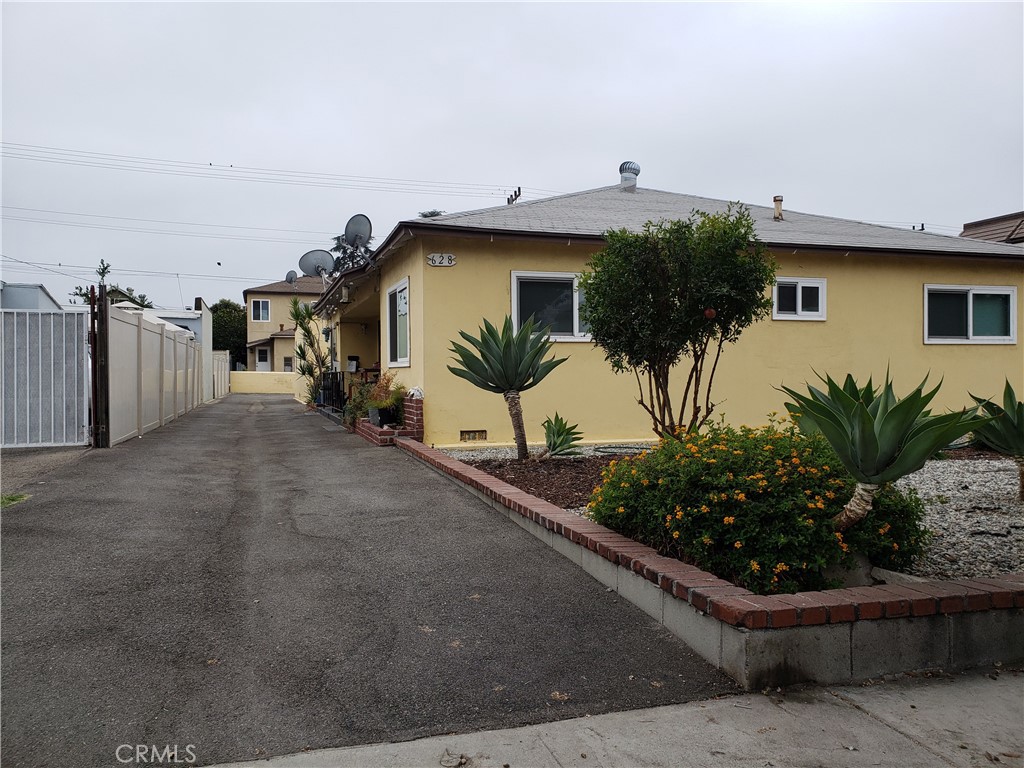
[268, 383]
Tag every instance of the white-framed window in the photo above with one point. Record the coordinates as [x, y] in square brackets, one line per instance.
[552, 299]
[398, 324]
[970, 314]
[262, 354]
[288, 365]
[798, 298]
[261, 311]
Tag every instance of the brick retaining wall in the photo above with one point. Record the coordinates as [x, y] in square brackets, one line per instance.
[412, 425]
[832, 636]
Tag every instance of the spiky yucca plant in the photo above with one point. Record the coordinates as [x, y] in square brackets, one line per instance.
[878, 437]
[506, 362]
[559, 437]
[1005, 432]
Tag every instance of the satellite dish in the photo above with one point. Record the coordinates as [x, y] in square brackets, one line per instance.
[315, 263]
[291, 277]
[357, 231]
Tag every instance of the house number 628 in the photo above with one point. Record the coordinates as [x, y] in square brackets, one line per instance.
[441, 259]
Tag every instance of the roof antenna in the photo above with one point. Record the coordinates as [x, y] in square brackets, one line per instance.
[514, 196]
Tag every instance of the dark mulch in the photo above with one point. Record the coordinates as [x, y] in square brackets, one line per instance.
[970, 452]
[568, 482]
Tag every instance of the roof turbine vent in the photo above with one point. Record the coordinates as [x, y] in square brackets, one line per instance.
[629, 171]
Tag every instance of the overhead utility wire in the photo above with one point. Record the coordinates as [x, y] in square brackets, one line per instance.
[163, 221]
[113, 228]
[145, 272]
[193, 164]
[40, 266]
[290, 178]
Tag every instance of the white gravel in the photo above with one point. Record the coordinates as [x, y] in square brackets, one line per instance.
[971, 507]
[973, 510]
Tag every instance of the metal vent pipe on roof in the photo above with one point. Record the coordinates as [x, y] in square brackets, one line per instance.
[778, 207]
[628, 172]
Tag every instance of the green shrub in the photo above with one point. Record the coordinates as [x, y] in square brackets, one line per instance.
[753, 506]
[358, 406]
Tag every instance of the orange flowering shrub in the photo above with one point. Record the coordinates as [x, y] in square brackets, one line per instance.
[753, 506]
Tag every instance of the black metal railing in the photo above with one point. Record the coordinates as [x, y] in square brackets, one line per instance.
[334, 390]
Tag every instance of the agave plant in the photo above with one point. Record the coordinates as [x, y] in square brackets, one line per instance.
[559, 438]
[1005, 432]
[877, 436]
[506, 362]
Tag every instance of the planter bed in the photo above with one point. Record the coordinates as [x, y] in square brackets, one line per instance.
[834, 636]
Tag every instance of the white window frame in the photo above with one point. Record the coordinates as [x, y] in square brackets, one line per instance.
[559, 277]
[801, 282]
[252, 310]
[402, 362]
[970, 290]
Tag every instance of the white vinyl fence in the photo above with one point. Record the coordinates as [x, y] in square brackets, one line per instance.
[155, 375]
[221, 372]
[44, 378]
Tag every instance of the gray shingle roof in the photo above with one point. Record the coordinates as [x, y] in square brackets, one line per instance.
[303, 285]
[593, 212]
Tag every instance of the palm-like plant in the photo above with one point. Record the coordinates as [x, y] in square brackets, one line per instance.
[312, 361]
[1005, 432]
[877, 436]
[506, 362]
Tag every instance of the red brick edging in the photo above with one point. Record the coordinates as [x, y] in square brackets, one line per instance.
[723, 600]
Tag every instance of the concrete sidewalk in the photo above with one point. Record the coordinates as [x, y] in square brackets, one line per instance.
[968, 720]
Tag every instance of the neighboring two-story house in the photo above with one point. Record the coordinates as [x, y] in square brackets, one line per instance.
[270, 332]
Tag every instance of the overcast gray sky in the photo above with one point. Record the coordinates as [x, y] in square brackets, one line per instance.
[127, 116]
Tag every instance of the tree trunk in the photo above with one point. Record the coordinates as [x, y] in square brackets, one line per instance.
[857, 507]
[515, 412]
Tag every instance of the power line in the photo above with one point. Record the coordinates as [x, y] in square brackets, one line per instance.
[163, 221]
[244, 173]
[144, 272]
[113, 228]
[40, 266]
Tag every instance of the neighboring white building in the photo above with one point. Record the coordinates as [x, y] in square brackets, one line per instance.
[27, 296]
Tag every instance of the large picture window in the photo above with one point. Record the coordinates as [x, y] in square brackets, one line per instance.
[398, 324]
[968, 314]
[552, 299]
[800, 298]
[261, 310]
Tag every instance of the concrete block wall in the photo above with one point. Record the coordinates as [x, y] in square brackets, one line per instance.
[834, 636]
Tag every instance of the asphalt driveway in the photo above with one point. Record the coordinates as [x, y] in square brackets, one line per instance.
[252, 580]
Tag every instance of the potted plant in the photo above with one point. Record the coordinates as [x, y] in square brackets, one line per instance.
[385, 400]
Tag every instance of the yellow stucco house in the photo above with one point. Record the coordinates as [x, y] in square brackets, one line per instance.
[849, 297]
[270, 332]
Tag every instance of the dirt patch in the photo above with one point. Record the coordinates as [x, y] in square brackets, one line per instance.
[565, 482]
[23, 467]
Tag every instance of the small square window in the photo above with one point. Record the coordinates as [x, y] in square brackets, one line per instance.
[798, 298]
[553, 300]
[261, 310]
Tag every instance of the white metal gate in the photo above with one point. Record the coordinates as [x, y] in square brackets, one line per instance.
[44, 378]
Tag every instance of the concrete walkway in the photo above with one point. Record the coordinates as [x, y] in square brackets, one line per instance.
[253, 581]
[966, 720]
